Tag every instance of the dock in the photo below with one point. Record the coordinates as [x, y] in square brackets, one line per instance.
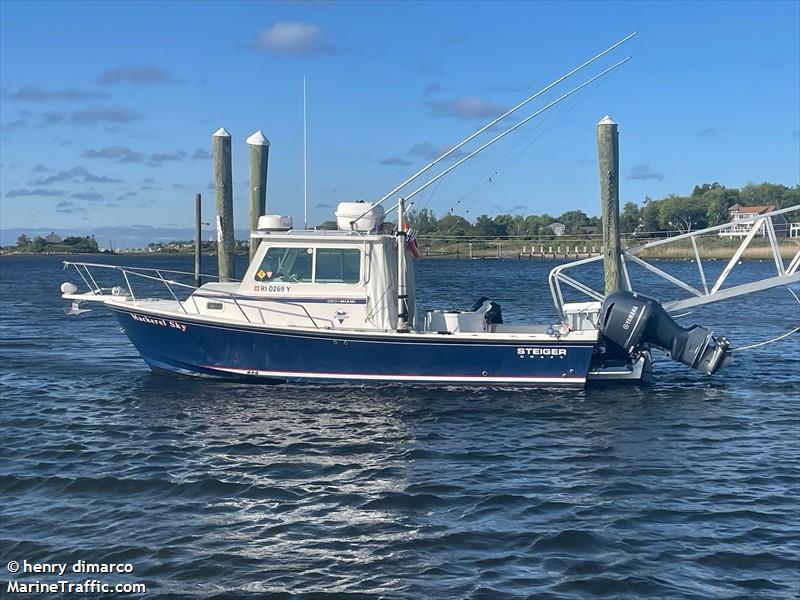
[565, 252]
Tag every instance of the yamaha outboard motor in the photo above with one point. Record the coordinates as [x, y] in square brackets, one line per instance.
[632, 321]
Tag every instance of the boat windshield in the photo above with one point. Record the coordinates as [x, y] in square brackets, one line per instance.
[286, 264]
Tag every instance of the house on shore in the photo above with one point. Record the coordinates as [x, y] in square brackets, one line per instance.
[557, 228]
[742, 217]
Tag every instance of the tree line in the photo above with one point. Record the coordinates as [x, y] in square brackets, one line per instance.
[76, 244]
[708, 205]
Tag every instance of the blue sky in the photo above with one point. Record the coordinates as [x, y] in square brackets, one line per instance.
[107, 108]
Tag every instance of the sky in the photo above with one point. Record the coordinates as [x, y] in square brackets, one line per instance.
[107, 108]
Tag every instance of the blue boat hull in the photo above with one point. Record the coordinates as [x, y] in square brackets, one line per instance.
[191, 347]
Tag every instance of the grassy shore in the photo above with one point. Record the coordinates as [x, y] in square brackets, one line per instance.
[709, 248]
[721, 249]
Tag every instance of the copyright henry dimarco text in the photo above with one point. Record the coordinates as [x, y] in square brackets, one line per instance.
[79, 577]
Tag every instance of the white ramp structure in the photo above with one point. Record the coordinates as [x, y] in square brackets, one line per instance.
[712, 291]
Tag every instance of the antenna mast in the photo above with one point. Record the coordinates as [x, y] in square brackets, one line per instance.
[305, 158]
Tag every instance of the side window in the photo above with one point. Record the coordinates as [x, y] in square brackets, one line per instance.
[286, 264]
[338, 265]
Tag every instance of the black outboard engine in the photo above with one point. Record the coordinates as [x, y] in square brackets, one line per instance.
[632, 321]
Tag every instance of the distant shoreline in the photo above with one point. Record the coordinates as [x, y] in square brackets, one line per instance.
[788, 249]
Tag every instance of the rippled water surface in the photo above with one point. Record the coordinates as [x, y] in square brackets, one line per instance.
[687, 488]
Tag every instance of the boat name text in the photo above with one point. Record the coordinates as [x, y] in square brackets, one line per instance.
[162, 322]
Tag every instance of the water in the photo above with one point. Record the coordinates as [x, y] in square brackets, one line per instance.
[685, 489]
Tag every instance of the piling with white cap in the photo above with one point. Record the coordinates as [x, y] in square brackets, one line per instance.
[223, 177]
[259, 161]
[608, 161]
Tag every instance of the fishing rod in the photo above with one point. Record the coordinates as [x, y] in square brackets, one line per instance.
[509, 130]
[493, 123]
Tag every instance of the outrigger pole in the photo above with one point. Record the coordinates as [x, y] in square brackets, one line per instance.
[510, 129]
[493, 123]
[401, 206]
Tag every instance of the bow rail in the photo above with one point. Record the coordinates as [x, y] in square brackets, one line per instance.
[98, 293]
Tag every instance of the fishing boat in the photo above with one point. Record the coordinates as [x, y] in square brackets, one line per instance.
[339, 306]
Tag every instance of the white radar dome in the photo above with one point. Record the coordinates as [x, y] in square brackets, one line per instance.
[350, 216]
[274, 223]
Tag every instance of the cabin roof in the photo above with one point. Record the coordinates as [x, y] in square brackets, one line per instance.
[322, 235]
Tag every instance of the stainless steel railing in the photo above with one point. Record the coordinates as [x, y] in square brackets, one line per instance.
[158, 275]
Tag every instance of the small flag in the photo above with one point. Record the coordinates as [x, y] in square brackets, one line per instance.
[411, 242]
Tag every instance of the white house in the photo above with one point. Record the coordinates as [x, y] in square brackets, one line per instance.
[558, 228]
[743, 217]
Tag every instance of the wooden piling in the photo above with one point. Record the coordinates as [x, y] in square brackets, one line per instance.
[259, 160]
[221, 146]
[608, 160]
[198, 239]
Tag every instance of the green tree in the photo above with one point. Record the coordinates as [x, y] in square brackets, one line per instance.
[648, 217]
[23, 242]
[718, 202]
[630, 217]
[504, 224]
[423, 221]
[678, 213]
[573, 220]
[451, 224]
[769, 193]
[517, 226]
[38, 244]
[701, 190]
[486, 227]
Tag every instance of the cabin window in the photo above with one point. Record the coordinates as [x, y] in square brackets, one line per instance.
[338, 265]
[286, 264]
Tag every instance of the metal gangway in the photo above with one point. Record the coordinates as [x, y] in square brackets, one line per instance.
[712, 291]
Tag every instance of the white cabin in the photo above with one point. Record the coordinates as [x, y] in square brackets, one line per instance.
[318, 279]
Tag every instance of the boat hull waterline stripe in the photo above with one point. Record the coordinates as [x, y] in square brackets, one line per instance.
[387, 377]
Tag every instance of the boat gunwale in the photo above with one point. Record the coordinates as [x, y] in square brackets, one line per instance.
[464, 338]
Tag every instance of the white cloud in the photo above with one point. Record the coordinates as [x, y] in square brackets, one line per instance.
[293, 39]
[468, 107]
